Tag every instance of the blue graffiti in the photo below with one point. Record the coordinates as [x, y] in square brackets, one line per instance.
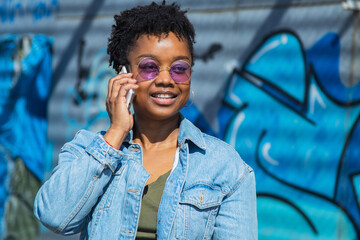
[10, 10]
[24, 92]
[25, 88]
[94, 116]
[323, 58]
[288, 114]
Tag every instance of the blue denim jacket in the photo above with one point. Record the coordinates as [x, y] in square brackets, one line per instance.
[96, 190]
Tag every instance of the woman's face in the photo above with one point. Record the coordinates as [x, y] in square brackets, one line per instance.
[160, 98]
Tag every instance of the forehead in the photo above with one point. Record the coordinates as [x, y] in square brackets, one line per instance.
[162, 47]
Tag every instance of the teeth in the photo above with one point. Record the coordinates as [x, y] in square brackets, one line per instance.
[163, 95]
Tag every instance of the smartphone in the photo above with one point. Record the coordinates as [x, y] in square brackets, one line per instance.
[130, 94]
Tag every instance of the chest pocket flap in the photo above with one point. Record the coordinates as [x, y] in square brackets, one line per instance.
[202, 196]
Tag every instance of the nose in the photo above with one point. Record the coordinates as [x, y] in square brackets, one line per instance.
[164, 76]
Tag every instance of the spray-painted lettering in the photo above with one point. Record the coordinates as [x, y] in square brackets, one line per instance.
[11, 10]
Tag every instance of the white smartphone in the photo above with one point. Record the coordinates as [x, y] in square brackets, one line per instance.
[130, 94]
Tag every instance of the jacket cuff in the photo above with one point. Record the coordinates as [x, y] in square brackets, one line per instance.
[104, 153]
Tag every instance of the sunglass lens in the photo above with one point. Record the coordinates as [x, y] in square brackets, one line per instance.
[148, 68]
[180, 71]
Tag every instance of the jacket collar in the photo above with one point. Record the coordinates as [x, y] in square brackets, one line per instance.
[187, 131]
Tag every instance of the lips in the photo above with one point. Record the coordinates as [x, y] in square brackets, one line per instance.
[164, 98]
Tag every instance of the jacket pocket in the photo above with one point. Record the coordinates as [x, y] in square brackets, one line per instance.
[195, 216]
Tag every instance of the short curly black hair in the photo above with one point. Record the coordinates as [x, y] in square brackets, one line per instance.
[154, 19]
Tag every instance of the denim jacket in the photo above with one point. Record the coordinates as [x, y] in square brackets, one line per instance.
[97, 190]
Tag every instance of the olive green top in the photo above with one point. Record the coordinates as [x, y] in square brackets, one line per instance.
[149, 208]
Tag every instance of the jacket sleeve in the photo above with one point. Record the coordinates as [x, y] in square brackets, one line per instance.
[84, 169]
[237, 216]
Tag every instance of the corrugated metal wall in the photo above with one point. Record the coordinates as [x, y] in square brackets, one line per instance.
[277, 79]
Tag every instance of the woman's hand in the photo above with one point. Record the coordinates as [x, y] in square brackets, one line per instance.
[121, 120]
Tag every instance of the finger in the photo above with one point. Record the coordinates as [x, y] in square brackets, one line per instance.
[124, 89]
[117, 77]
[115, 104]
[115, 81]
[110, 83]
[120, 96]
[118, 84]
[122, 78]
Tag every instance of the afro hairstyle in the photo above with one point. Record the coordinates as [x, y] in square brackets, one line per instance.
[153, 19]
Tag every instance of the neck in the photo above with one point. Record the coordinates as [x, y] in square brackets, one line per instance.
[154, 133]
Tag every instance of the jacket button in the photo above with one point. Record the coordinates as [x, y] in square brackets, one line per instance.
[128, 232]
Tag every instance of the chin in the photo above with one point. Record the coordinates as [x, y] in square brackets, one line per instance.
[163, 115]
[157, 113]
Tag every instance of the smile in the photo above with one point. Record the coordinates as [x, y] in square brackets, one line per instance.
[164, 98]
[163, 95]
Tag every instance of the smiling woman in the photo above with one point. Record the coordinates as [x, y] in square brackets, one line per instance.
[152, 174]
[160, 97]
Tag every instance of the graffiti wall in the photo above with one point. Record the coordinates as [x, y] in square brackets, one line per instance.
[277, 79]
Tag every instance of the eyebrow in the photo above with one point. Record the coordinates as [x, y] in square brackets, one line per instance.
[154, 57]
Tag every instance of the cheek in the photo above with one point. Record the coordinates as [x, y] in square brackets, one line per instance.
[138, 78]
[187, 95]
[141, 91]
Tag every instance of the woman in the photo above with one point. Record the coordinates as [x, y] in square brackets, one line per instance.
[152, 175]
